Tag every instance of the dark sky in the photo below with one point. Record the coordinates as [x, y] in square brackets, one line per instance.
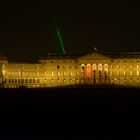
[27, 28]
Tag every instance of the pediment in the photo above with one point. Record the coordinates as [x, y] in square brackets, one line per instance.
[94, 56]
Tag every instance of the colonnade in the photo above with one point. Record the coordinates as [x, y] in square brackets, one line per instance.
[94, 73]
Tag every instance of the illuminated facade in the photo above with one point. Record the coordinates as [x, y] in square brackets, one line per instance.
[60, 70]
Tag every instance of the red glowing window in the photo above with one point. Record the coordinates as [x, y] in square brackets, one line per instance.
[88, 70]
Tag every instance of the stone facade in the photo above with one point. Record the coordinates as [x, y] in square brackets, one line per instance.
[60, 70]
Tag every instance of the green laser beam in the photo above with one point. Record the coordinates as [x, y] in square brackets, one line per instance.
[60, 39]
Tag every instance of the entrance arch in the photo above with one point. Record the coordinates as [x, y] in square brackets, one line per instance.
[94, 69]
[100, 68]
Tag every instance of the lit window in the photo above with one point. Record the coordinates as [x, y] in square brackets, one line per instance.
[52, 73]
[124, 73]
[100, 67]
[58, 73]
[82, 68]
[70, 73]
[118, 72]
[124, 66]
[137, 73]
[70, 81]
[130, 73]
[137, 66]
[64, 73]
[106, 67]
[94, 67]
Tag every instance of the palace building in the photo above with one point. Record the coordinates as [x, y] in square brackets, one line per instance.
[63, 69]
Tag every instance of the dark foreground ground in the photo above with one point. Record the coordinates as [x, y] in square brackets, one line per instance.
[70, 111]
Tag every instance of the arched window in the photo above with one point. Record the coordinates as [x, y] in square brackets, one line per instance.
[26, 81]
[52, 81]
[100, 67]
[88, 70]
[18, 80]
[38, 81]
[30, 81]
[22, 80]
[34, 81]
[94, 67]
[106, 67]
[82, 70]
[64, 81]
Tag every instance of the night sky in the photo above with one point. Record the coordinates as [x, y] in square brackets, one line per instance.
[27, 28]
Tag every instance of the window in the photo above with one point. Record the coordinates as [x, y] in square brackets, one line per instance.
[26, 81]
[52, 73]
[137, 73]
[77, 73]
[18, 80]
[137, 66]
[100, 67]
[64, 73]
[64, 81]
[131, 80]
[124, 73]
[22, 80]
[58, 66]
[111, 73]
[58, 73]
[118, 73]
[70, 73]
[30, 81]
[38, 81]
[88, 70]
[131, 66]
[34, 81]
[130, 73]
[58, 81]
